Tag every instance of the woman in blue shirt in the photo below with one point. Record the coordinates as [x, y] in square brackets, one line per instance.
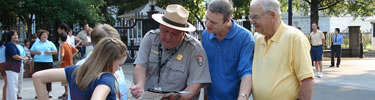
[43, 51]
[93, 79]
[13, 65]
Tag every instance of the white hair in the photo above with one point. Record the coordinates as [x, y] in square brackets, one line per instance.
[268, 5]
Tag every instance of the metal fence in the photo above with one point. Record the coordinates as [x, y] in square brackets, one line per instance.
[366, 40]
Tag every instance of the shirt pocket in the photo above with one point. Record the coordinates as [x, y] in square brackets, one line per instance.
[152, 65]
[176, 73]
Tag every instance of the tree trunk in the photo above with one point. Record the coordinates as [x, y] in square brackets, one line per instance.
[104, 11]
[314, 10]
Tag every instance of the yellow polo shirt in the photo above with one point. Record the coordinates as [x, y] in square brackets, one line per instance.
[281, 64]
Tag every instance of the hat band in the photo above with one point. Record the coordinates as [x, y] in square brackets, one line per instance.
[174, 23]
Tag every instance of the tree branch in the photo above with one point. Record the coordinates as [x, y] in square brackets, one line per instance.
[329, 6]
[308, 1]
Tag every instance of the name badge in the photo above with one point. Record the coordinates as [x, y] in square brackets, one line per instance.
[179, 57]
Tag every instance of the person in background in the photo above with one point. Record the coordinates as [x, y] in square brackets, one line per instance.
[337, 40]
[282, 63]
[71, 39]
[83, 35]
[101, 31]
[22, 70]
[317, 44]
[43, 51]
[92, 80]
[66, 53]
[3, 62]
[13, 65]
[27, 63]
[88, 45]
[229, 49]
[34, 38]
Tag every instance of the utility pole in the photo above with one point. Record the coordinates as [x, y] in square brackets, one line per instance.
[290, 12]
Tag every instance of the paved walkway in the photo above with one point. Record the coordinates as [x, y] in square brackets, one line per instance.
[354, 80]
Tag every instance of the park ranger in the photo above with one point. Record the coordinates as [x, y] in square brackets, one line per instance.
[169, 59]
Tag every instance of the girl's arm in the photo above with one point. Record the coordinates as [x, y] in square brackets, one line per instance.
[40, 79]
[100, 93]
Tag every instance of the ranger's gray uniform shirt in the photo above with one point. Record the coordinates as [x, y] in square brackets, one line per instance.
[189, 65]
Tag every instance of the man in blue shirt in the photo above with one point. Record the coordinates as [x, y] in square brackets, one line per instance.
[229, 49]
[337, 40]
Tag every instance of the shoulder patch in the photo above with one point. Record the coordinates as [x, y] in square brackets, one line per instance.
[199, 59]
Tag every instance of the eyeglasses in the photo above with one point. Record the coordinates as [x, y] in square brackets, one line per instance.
[256, 17]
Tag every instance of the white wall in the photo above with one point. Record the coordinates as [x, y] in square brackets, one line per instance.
[344, 22]
[304, 23]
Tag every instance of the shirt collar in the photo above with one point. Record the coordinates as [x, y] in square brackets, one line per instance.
[231, 33]
[279, 32]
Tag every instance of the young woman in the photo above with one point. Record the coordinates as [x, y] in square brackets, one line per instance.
[87, 42]
[71, 39]
[94, 79]
[101, 31]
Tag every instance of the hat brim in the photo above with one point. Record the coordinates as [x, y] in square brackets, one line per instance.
[158, 18]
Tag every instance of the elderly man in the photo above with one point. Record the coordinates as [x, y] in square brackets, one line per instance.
[169, 59]
[282, 64]
[229, 49]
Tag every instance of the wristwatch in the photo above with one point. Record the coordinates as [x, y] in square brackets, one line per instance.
[245, 96]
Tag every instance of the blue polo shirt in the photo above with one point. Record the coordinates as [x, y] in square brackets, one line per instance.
[229, 59]
[43, 46]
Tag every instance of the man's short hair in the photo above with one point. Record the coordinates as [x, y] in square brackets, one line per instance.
[224, 7]
[64, 27]
[337, 29]
[63, 36]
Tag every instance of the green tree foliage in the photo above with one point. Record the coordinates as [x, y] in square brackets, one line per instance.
[195, 7]
[50, 12]
[356, 8]
[131, 5]
[241, 8]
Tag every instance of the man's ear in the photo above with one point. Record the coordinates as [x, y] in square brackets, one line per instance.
[227, 21]
[273, 15]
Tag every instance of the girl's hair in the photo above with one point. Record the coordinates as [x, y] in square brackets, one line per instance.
[10, 34]
[40, 32]
[101, 60]
[101, 31]
[89, 31]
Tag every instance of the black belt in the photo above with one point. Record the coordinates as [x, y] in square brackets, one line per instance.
[317, 46]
